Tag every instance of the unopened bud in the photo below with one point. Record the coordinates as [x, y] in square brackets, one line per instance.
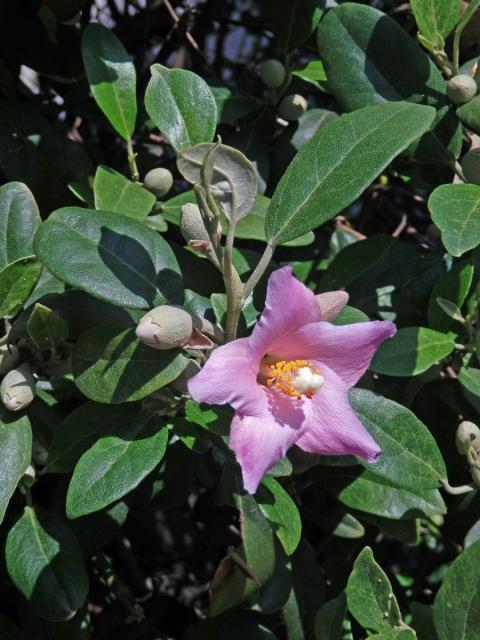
[165, 327]
[18, 388]
[331, 303]
[9, 358]
[461, 88]
[273, 73]
[471, 166]
[468, 435]
[192, 225]
[292, 107]
[159, 181]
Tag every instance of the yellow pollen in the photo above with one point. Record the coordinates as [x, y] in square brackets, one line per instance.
[283, 375]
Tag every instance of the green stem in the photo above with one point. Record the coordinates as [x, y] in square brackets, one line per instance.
[233, 286]
[464, 20]
[132, 162]
[259, 270]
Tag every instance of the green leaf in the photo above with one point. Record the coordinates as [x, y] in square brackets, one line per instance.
[469, 378]
[45, 328]
[329, 620]
[113, 192]
[282, 513]
[338, 163]
[231, 585]
[294, 21]
[111, 365]
[469, 114]
[112, 78]
[118, 461]
[369, 594]
[181, 105]
[231, 107]
[455, 209]
[17, 281]
[15, 453]
[410, 456]
[313, 72]
[122, 261]
[19, 220]
[456, 610]
[81, 429]
[448, 295]
[350, 315]
[45, 562]
[423, 621]
[436, 16]
[411, 351]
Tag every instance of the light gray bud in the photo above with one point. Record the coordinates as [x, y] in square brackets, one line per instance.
[18, 388]
[165, 327]
[273, 73]
[468, 435]
[9, 358]
[292, 107]
[461, 88]
[159, 181]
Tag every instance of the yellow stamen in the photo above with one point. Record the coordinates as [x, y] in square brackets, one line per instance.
[294, 378]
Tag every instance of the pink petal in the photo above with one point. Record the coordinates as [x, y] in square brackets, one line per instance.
[332, 426]
[288, 306]
[259, 442]
[228, 378]
[331, 303]
[347, 349]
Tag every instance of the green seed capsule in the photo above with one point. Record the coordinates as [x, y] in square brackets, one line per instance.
[461, 88]
[158, 181]
[18, 388]
[292, 107]
[273, 73]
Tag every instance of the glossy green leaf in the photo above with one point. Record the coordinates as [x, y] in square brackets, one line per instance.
[411, 351]
[469, 114]
[19, 219]
[231, 585]
[369, 594]
[112, 78]
[456, 609]
[452, 287]
[282, 513]
[455, 209]
[313, 72]
[45, 328]
[81, 429]
[410, 456]
[329, 620]
[350, 315]
[121, 261]
[294, 21]
[113, 192]
[338, 163]
[181, 105]
[15, 453]
[45, 562]
[118, 461]
[17, 281]
[111, 365]
[436, 16]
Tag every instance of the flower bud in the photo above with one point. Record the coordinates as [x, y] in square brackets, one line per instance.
[471, 166]
[18, 388]
[159, 181]
[331, 303]
[165, 327]
[292, 107]
[9, 358]
[461, 88]
[273, 73]
[192, 225]
[468, 435]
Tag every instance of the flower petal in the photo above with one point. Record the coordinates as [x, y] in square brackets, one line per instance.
[332, 426]
[288, 306]
[259, 442]
[347, 349]
[228, 378]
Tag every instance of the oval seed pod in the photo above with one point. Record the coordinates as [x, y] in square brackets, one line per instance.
[467, 435]
[192, 225]
[9, 358]
[273, 73]
[18, 388]
[165, 327]
[461, 88]
[159, 181]
[292, 107]
[471, 166]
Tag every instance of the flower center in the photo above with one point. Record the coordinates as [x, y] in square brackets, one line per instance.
[294, 378]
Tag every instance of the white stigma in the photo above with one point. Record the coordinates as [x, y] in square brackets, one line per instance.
[307, 381]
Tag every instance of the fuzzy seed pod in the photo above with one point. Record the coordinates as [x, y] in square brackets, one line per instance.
[468, 435]
[471, 166]
[461, 88]
[9, 358]
[18, 388]
[192, 225]
[165, 327]
[159, 181]
[273, 73]
[292, 107]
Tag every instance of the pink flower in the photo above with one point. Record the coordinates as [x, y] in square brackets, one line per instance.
[288, 381]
